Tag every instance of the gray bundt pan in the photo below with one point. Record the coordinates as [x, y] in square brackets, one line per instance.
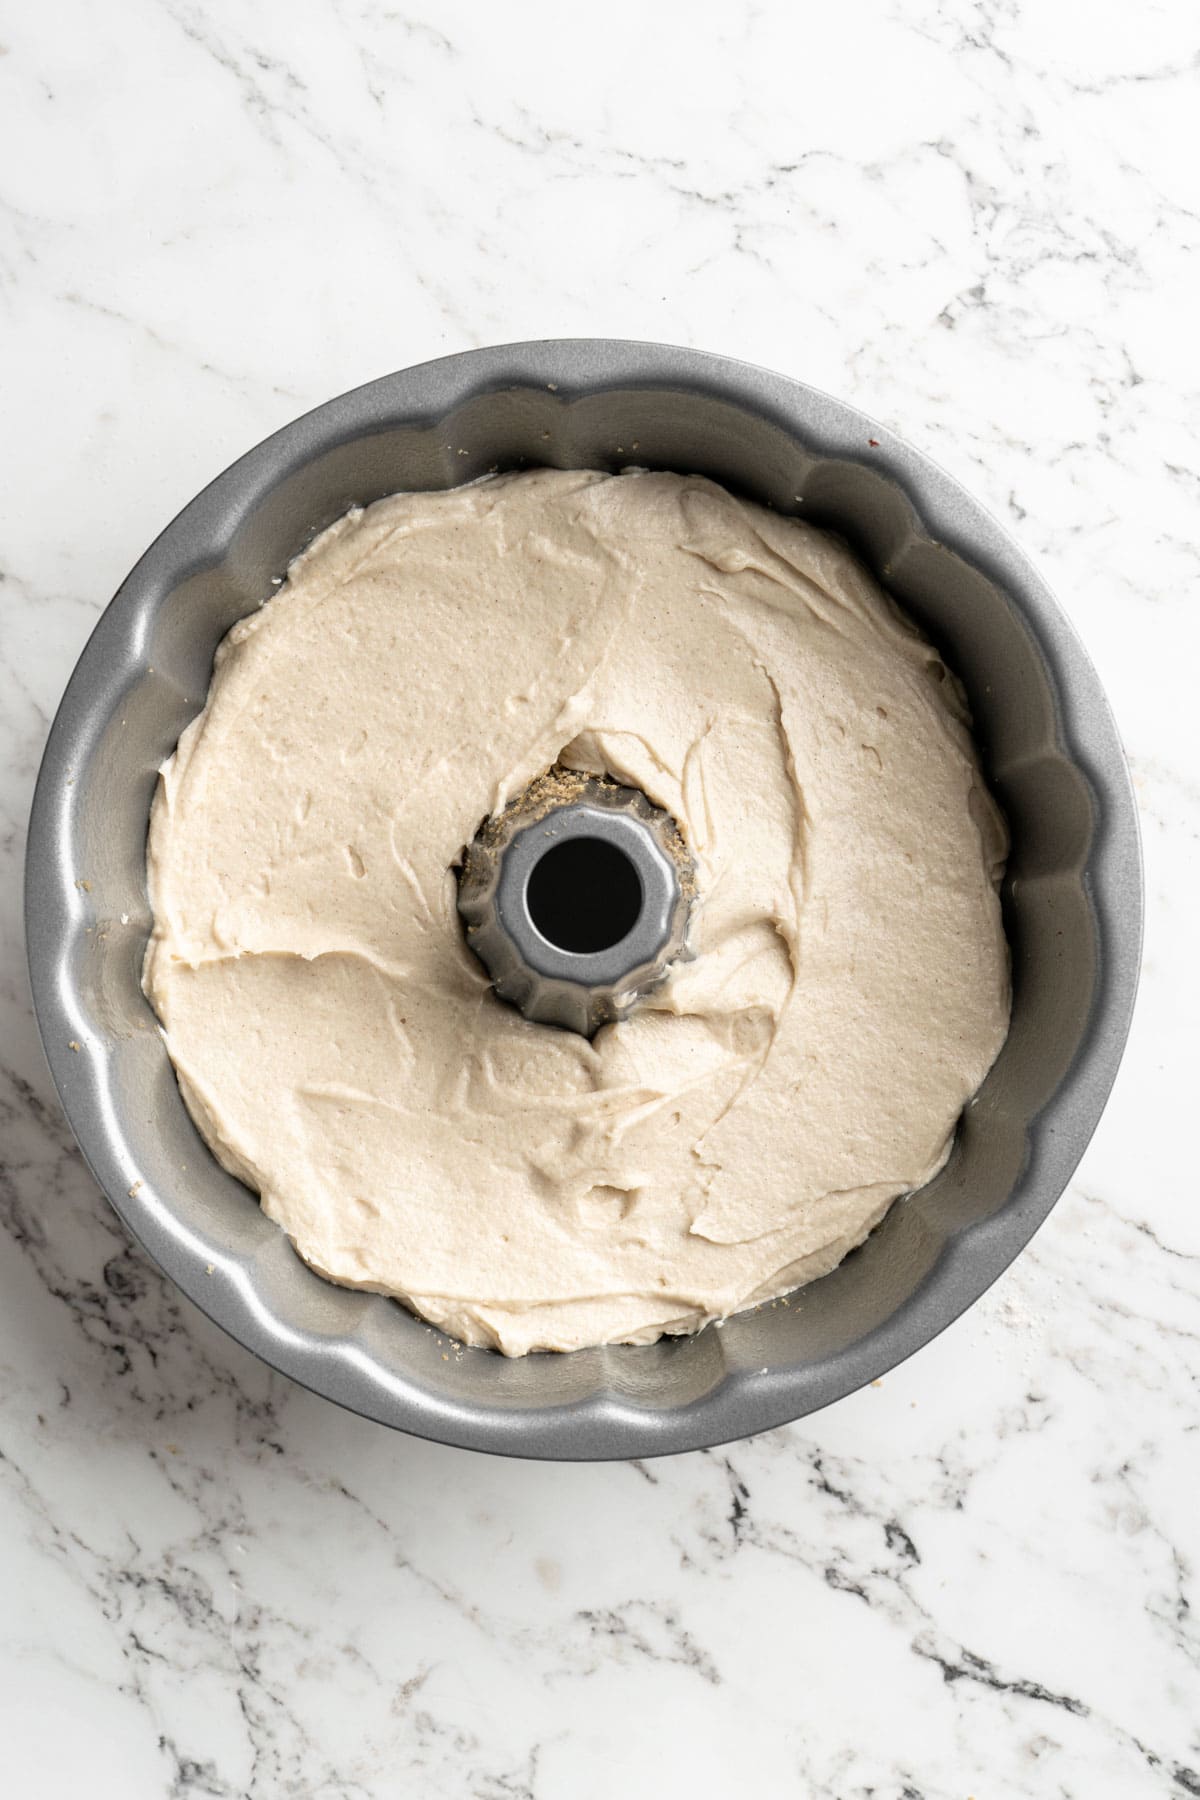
[1073, 896]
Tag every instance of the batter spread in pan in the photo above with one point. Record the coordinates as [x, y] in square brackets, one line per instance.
[340, 1047]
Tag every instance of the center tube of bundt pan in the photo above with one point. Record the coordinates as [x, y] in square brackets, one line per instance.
[577, 899]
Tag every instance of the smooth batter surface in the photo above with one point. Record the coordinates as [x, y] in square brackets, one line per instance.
[339, 1046]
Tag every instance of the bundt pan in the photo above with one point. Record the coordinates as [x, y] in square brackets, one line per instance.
[1072, 897]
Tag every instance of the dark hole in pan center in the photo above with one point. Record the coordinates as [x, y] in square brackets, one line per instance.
[584, 895]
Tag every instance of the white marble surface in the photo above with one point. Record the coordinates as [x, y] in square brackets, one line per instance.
[978, 219]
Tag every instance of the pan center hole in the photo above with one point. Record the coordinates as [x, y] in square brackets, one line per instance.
[584, 895]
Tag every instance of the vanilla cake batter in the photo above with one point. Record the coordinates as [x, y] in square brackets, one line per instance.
[337, 1043]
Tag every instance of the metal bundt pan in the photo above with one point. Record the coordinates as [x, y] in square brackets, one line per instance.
[1073, 895]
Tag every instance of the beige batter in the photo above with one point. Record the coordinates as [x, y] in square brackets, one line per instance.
[339, 1046]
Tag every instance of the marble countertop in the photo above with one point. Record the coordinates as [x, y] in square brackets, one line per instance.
[976, 219]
